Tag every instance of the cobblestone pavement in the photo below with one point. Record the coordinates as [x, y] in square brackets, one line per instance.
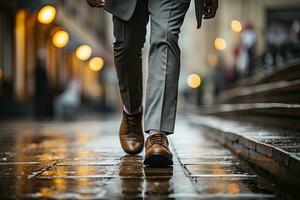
[84, 160]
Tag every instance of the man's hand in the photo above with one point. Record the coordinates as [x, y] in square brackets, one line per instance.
[96, 3]
[210, 9]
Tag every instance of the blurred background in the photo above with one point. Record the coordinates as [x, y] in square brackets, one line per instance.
[56, 57]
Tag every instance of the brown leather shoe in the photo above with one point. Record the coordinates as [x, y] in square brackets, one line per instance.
[131, 133]
[157, 151]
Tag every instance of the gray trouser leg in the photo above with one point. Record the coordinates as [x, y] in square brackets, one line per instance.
[166, 18]
[129, 41]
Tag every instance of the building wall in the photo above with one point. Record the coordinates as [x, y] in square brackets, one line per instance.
[18, 59]
[7, 53]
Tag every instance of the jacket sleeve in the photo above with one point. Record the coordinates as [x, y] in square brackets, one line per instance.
[199, 6]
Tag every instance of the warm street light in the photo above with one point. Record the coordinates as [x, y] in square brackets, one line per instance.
[220, 44]
[212, 59]
[60, 39]
[1, 73]
[194, 80]
[236, 26]
[83, 52]
[47, 14]
[96, 64]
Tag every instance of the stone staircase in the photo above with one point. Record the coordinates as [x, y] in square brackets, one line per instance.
[259, 119]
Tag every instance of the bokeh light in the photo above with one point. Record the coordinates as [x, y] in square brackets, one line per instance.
[1, 73]
[236, 26]
[47, 14]
[194, 80]
[220, 44]
[84, 52]
[60, 39]
[96, 64]
[212, 60]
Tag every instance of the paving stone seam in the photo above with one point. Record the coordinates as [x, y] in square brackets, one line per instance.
[228, 196]
[223, 176]
[184, 169]
[77, 177]
[35, 174]
[109, 183]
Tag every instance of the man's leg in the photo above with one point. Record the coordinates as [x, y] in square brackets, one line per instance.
[129, 41]
[162, 85]
[166, 18]
[130, 38]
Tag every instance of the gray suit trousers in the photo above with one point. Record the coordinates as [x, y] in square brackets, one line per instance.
[166, 18]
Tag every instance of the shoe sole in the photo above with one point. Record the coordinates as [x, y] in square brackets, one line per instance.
[158, 160]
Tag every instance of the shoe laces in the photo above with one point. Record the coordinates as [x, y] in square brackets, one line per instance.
[159, 139]
[132, 122]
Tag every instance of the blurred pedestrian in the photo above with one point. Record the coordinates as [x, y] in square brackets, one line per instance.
[67, 104]
[219, 79]
[294, 40]
[241, 60]
[248, 42]
[130, 19]
[41, 87]
[277, 38]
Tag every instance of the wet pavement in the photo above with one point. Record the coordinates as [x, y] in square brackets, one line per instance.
[84, 160]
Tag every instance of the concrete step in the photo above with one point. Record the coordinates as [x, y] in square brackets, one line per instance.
[287, 71]
[279, 92]
[280, 115]
[275, 151]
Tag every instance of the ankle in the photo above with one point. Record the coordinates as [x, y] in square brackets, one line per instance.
[132, 112]
[153, 132]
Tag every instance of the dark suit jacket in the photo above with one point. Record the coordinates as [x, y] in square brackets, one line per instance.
[125, 8]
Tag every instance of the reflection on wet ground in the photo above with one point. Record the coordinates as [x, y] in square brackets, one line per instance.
[84, 160]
